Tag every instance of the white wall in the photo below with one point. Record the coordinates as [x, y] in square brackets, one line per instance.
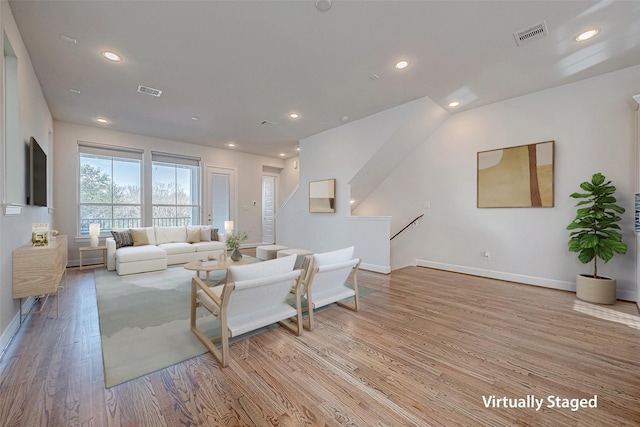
[34, 119]
[341, 153]
[592, 123]
[66, 135]
[288, 179]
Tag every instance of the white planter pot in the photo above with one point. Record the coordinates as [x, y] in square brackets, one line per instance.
[600, 291]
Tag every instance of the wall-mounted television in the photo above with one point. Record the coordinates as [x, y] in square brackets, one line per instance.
[37, 175]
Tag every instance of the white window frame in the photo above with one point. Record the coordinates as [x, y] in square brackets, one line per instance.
[179, 160]
[113, 152]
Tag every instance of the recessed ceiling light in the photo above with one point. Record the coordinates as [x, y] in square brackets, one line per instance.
[74, 90]
[102, 120]
[454, 103]
[586, 35]
[344, 118]
[298, 148]
[294, 115]
[352, 201]
[231, 144]
[401, 65]
[111, 56]
[195, 118]
[282, 154]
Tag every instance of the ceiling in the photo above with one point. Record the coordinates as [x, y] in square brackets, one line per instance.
[242, 66]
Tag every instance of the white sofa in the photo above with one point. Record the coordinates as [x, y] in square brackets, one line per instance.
[154, 248]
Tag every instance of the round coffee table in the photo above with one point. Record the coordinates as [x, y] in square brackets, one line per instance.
[219, 265]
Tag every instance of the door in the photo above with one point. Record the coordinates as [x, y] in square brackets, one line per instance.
[268, 209]
[221, 203]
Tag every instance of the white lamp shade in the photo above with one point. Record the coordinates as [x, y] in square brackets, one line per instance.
[228, 226]
[94, 229]
[94, 232]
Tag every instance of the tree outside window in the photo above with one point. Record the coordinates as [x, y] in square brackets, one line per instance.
[175, 194]
[109, 192]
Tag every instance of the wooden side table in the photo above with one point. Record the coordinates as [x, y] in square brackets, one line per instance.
[102, 248]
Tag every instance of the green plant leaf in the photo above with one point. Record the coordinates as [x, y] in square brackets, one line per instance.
[597, 179]
[580, 195]
[587, 186]
[586, 256]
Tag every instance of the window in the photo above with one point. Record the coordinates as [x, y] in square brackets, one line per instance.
[110, 188]
[176, 190]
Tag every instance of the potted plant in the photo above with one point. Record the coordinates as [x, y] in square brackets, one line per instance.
[234, 240]
[595, 234]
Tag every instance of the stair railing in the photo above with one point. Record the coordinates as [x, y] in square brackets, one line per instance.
[407, 226]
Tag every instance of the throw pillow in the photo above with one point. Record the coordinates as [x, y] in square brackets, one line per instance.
[193, 234]
[140, 236]
[122, 238]
[205, 234]
[214, 235]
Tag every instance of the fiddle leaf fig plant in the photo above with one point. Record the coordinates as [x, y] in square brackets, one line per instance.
[595, 230]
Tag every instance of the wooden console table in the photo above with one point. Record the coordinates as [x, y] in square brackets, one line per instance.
[38, 270]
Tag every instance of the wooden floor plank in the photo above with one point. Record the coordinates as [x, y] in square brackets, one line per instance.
[425, 348]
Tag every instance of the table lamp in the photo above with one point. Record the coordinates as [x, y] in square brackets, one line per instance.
[228, 227]
[94, 232]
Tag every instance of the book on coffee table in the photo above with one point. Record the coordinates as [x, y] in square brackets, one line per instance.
[208, 262]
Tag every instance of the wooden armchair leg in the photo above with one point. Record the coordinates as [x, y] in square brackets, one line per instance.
[354, 304]
[309, 325]
[209, 344]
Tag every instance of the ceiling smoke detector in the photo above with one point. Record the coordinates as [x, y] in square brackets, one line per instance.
[149, 90]
[531, 34]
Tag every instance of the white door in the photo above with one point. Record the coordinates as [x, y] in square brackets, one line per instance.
[268, 209]
[221, 200]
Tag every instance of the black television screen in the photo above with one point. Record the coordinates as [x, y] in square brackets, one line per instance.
[37, 174]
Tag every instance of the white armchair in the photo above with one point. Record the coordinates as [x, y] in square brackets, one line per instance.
[254, 296]
[325, 281]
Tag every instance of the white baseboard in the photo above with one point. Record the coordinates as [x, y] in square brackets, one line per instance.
[375, 268]
[518, 278]
[14, 325]
[511, 277]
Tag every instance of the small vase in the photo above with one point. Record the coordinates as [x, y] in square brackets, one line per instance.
[236, 255]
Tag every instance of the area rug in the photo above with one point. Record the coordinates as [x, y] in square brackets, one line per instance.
[144, 321]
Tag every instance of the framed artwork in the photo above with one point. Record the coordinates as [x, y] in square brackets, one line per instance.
[322, 196]
[516, 177]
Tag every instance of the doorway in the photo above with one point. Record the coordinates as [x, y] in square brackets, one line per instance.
[221, 203]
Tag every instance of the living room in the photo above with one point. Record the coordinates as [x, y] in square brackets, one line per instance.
[592, 121]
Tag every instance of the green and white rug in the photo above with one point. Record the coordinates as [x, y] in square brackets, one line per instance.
[144, 321]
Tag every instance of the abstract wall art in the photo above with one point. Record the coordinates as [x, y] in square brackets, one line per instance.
[322, 196]
[516, 177]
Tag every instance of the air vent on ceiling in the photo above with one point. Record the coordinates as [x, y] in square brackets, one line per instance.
[149, 90]
[531, 34]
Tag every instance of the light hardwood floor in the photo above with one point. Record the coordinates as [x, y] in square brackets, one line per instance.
[426, 348]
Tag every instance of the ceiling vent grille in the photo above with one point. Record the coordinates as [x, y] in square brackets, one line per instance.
[149, 90]
[531, 34]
